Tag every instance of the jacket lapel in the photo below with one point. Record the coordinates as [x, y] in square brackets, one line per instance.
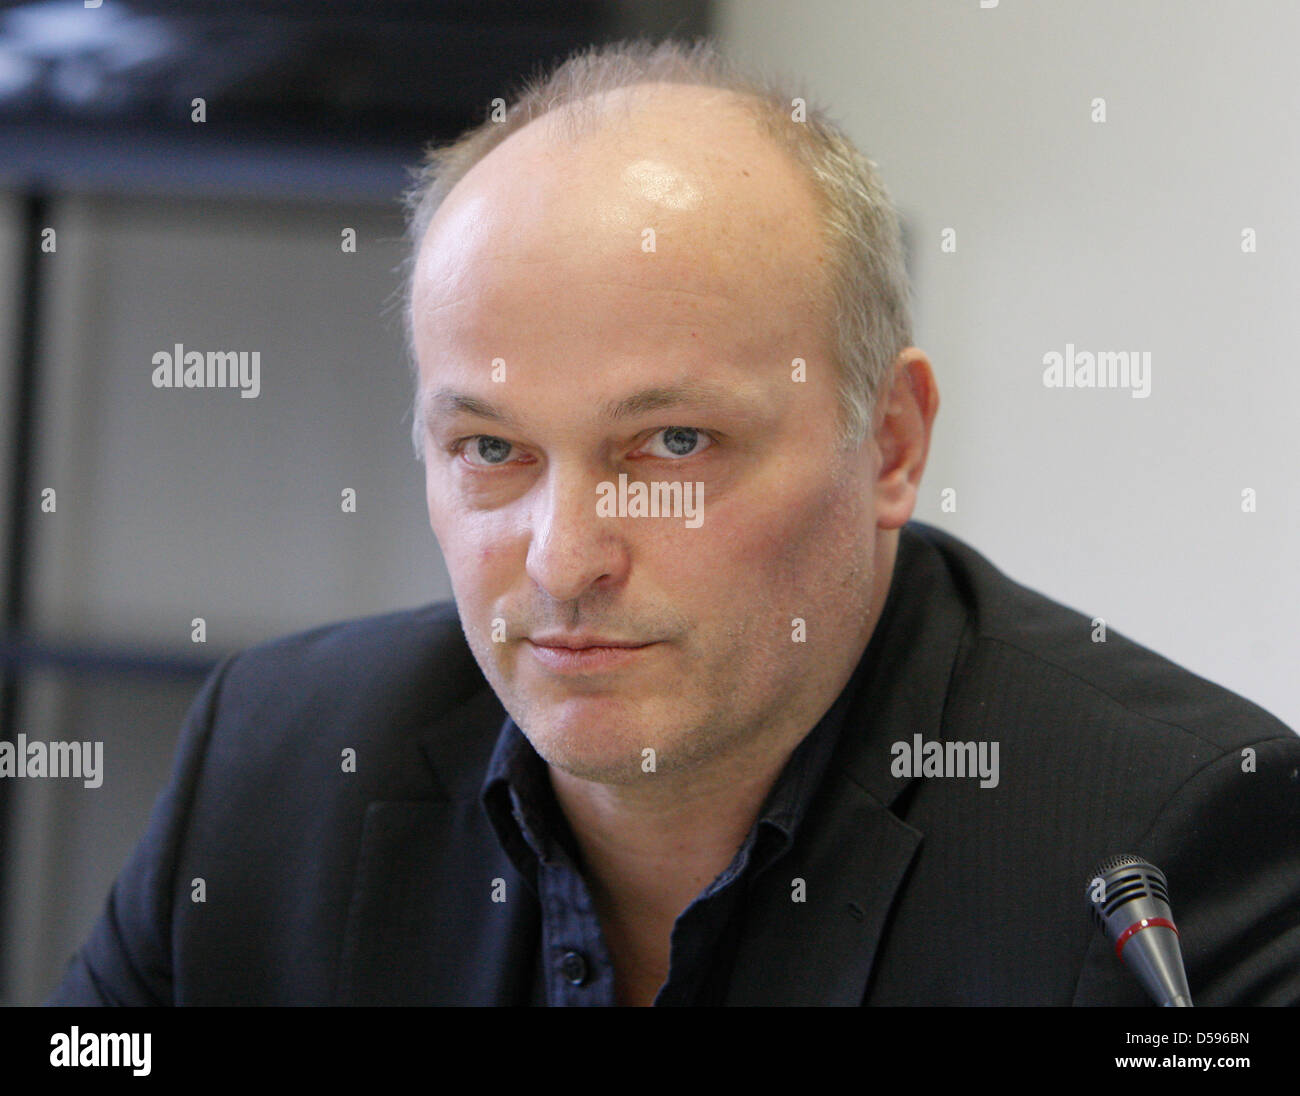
[423, 927]
[820, 951]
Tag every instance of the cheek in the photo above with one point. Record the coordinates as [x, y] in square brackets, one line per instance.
[799, 539]
[480, 550]
[449, 529]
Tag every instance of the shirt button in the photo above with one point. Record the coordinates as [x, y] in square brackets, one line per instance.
[574, 968]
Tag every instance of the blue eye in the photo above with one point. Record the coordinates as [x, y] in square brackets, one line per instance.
[492, 450]
[681, 441]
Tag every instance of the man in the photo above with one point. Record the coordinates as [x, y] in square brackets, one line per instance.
[669, 744]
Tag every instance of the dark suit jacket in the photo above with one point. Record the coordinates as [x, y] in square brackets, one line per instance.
[328, 886]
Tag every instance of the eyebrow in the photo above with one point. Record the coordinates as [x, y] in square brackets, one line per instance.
[447, 401]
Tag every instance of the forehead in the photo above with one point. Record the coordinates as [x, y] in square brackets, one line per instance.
[675, 182]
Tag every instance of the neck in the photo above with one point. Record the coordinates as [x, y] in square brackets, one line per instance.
[648, 850]
[654, 845]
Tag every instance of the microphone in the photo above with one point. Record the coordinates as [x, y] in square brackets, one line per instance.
[1129, 901]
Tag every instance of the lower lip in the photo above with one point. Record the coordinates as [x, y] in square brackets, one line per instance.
[566, 660]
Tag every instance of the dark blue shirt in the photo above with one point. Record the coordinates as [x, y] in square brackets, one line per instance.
[572, 963]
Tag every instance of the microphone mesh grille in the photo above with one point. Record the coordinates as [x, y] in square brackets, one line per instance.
[1126, 877]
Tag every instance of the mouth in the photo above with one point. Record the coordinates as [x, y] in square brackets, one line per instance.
[585, 655]
[583, 642]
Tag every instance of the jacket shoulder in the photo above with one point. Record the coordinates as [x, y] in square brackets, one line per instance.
[286, 709]
[401, 639]
[1030, 644]
[1102, 748]
[361, 663]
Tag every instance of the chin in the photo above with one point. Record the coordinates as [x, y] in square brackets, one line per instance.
[592, 747]
[622, 770]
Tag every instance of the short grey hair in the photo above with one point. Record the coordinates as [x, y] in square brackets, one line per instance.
[871, 295]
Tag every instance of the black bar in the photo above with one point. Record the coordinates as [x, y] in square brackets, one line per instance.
[22, 458]
[340, 1049]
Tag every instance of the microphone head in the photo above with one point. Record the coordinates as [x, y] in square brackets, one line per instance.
[1128, 898]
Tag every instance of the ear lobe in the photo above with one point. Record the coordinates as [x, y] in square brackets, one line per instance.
[896, 495]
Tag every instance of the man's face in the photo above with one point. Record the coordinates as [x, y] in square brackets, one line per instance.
[665, 358]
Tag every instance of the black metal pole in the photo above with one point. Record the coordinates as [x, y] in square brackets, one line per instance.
[22, 489]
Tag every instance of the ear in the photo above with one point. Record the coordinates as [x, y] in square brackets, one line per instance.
[901, 429]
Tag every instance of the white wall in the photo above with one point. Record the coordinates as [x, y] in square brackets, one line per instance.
[201, 503]
[1117, 236]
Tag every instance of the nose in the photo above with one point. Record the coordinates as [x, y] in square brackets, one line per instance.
[572, 547]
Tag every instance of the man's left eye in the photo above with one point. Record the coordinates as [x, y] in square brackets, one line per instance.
[679, 441]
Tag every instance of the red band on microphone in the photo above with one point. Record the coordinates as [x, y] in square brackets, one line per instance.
[1138, 926]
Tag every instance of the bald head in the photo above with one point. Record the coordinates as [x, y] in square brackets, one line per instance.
[673, 188]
